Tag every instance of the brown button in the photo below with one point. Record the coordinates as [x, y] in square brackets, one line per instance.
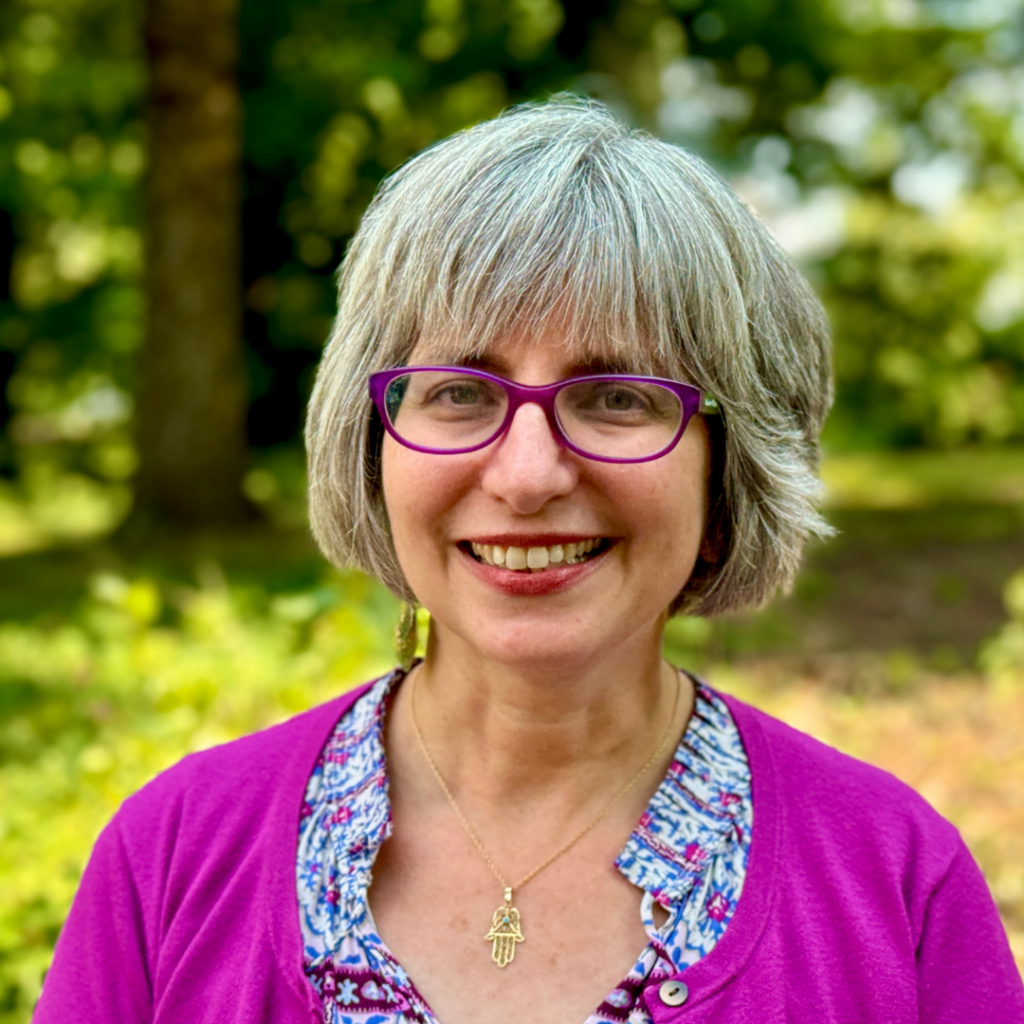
[673, 993]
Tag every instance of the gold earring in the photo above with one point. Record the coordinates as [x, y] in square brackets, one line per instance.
[405, 635]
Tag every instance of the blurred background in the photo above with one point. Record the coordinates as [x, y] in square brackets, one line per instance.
[178, 181]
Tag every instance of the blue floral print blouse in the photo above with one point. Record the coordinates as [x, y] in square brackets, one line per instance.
[688, 853]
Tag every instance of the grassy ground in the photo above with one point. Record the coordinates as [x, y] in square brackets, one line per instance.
[118, 656]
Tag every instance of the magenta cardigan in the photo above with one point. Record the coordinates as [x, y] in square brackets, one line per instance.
[860, 905]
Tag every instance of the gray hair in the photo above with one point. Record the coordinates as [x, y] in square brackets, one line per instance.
[651, 261]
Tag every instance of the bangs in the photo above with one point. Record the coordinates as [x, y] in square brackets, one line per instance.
[539, 236]
[565, 257]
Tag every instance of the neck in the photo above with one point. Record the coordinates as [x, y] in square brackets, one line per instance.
[559, 739]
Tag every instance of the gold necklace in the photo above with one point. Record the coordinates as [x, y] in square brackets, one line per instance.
[506, 924]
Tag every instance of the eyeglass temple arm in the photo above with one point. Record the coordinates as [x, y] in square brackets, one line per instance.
[709, 406]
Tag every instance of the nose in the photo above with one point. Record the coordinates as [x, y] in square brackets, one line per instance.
[529, 466]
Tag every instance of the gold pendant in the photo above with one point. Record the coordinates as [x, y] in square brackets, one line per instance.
[505, 932]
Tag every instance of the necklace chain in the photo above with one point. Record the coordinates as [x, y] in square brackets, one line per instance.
[648, 764]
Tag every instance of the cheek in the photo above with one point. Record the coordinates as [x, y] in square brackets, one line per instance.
[671, 516]
[696, 475]
[405, 496]
[672, 508]
[419, 491]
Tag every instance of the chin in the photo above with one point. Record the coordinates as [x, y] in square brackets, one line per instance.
[534, 645]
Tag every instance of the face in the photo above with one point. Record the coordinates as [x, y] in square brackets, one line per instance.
[627, 535]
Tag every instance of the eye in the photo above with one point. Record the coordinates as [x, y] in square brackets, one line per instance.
[620, 401]
[461, 393]
[449, 395]
[611, 398]
[618, 404]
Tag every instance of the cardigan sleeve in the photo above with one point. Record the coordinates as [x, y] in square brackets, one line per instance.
[100, 972]
[965, 969]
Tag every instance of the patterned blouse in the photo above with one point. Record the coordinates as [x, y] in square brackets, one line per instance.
[688, 853]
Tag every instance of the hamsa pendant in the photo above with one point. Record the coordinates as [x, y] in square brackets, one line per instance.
[505, 932]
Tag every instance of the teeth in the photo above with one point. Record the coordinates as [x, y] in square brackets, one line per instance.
[535, 559]
[515, 558]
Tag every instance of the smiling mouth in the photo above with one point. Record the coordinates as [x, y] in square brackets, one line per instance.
[537, 559]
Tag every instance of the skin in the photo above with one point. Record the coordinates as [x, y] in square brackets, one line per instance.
[537, 709]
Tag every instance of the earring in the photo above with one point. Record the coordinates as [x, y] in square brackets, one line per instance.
[405, 635]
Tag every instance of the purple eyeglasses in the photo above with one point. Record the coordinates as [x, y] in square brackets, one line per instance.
[451, 410]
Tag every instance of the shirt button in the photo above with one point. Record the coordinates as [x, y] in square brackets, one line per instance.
[673, 993]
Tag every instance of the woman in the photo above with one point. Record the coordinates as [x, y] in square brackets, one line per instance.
[573, 388]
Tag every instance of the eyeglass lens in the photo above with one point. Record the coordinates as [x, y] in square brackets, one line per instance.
[604, 416]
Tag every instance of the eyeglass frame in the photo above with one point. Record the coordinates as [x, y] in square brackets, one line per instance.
[694, 402]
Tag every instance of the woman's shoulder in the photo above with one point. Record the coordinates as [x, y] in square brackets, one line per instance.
[236, 784]
[837, 801]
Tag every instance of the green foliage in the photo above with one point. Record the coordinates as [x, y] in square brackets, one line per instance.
[1003, 656]
[94, 704]
[71, 156]
[929, 348]
[936, 480]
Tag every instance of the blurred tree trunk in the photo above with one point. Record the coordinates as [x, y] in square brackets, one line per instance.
[192, 387]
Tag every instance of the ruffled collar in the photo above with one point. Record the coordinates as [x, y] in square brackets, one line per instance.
[695, 812]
